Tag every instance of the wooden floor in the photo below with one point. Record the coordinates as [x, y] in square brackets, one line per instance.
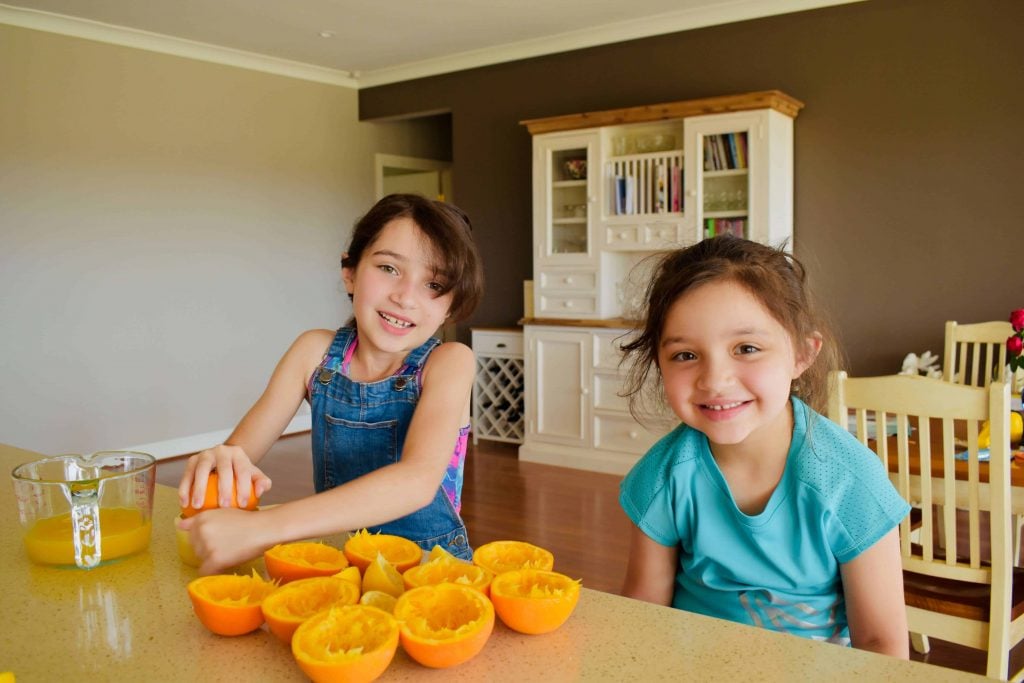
[572, 513]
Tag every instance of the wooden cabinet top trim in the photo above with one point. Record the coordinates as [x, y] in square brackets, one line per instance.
[767, 99]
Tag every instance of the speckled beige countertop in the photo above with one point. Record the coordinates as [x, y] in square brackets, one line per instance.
[131, 621]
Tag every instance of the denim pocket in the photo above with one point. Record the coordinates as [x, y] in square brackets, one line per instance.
[352, 449]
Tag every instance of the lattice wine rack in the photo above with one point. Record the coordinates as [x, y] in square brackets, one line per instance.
[498, 386]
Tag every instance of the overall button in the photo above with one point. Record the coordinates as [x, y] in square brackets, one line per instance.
[400, 383]
[459, 541]
[325, 376]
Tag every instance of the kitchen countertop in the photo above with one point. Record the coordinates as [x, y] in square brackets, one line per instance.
[132, 620]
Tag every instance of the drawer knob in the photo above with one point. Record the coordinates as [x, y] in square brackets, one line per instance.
[623, 235]
[568, 304]
[633, 434]
[567, 280]
[501, 345]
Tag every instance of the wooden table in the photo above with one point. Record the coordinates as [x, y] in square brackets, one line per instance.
[132, 620]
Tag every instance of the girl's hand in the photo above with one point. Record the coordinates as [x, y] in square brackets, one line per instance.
[226, 537]
[234, 469]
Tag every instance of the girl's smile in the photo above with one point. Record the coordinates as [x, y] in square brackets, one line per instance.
[395, 292]
[727, 366]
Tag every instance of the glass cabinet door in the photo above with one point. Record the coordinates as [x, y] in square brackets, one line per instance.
[736, 170]
[565, 201]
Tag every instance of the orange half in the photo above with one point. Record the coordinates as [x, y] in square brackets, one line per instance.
[228, 604]
[533, 601]
[287, 607]
[354, 643]
[303, 560]
[362, 547]
[448, 570]
[506, 556]
[444, 625]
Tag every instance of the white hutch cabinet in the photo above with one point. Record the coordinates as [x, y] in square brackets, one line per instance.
[611, 189]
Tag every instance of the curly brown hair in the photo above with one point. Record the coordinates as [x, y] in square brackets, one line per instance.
[775, 278]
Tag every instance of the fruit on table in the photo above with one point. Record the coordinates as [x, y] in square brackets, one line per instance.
[362, 547]
[445, 568]
[288, 606]
[1016, 431]
[302, 560]
[210, 501]
[229, 604]
[380, 600]
[352, 643]
[382, 576]
[534, 601]
[352, 575]
[505, 556]
[444, 625]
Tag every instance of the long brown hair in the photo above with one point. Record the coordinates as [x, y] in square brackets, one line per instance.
[775, 278]
[447, 228]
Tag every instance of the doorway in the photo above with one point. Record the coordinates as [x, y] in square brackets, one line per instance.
[427, 177]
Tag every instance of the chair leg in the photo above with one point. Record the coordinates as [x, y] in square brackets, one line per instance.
[1018, 524]
[919, 642]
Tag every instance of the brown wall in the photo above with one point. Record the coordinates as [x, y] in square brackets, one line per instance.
[908, 153]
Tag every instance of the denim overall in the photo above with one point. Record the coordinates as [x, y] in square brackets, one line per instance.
[360, 427]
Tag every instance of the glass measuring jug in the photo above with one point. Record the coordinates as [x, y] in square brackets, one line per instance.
[82, 510]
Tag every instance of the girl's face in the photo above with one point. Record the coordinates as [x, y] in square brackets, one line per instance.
[727, 365]
[395, 292]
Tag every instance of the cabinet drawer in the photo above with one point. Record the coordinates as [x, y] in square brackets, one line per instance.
[498, 343]
[608, 349]
[607, 387]
[623, 433]
[567, 305]
[567, 280]
[623, 236]
[644, 235]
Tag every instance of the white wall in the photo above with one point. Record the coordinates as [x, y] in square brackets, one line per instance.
[167, 227]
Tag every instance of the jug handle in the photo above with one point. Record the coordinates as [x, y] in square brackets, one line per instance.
[85, 522]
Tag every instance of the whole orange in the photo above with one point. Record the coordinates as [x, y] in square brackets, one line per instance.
[353, 643]
[210, 501]
[534, 601]
[444, 625]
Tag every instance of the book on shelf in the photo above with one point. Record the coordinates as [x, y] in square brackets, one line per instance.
[677, 189]
[725, 226]
[660, 194]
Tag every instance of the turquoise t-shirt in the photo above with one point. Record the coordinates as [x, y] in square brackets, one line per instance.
[778, 569]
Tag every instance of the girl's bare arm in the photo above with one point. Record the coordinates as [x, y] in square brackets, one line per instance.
[873, 584]
[261, 426]
[651, 573]
[226, 537]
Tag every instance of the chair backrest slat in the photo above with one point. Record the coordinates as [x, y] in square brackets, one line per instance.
[975, 353]
[936, 429]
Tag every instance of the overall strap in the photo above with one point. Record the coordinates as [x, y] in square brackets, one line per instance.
[418, 356]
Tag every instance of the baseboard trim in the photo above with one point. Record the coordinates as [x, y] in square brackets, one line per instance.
[187, 445]
[608, 462]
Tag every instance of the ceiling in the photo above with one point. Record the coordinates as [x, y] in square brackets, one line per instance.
[359, 43]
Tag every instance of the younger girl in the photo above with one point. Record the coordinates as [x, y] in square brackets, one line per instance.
[389, 402]
[756, 508]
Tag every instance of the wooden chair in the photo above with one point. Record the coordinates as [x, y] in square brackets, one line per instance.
[975, 354]
[956, 593]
